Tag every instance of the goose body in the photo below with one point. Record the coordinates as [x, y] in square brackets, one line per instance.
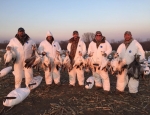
[89, 82]
[5, 71]
[16, 96]
[9, 56]
[58, 60]
[67, 63]
[37, 80]
[46, 63]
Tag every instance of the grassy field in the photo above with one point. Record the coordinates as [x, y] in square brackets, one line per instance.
[77, 101]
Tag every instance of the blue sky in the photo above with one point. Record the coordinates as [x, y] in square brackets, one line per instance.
[62, 17]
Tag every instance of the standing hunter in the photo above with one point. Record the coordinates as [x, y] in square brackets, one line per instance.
[49, 47]
[75, 46]
[96, 47]
[127, 51]
[22, 46]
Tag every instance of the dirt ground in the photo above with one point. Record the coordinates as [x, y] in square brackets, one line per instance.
[77, 101]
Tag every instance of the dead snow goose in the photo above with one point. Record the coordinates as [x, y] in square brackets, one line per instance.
[9, 56]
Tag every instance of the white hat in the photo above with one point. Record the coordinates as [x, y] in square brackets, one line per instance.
[49, 34]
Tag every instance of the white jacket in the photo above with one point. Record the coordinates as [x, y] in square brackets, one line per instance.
[81, 47]
[97, 55]
[128, 54]
[50, 49]
[22, 51]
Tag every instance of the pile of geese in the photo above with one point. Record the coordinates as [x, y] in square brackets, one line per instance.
[63, 62]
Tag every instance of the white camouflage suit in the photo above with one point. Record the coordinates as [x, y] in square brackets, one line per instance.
[22, 53]
[100, 76]
[128, 55]
[76, 71]
[50, 49]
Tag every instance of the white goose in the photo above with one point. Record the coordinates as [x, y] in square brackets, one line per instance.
[104, 62]
[9, 56]
[5, 71]
[79, 61]
[148, 59]
[58, 60]
[18, 95]
[116, 64]
[145, 70]
[100, 63]
[15, 97]
[116, 55]
[34, 60]
[46, 62]
[37, 80]
[89, 64]
[89, 82]
[37, 59]
[67, 62]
